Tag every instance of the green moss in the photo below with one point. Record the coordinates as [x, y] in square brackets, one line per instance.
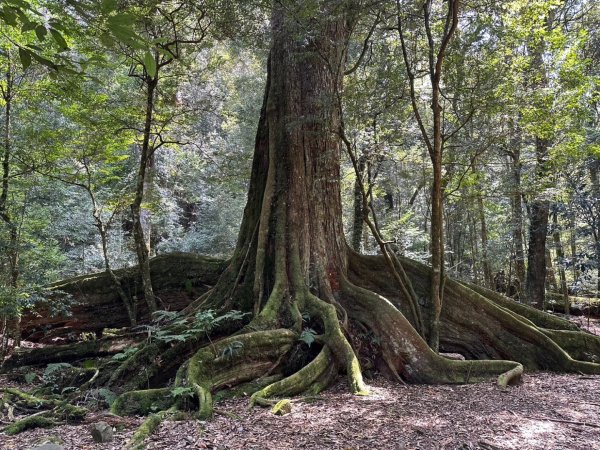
[142, 402]
[29, 423]
[246, 389]
[282, 407]
[148, 427]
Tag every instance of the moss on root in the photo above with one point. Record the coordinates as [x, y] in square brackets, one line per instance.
[282, 407]
[313, 378]
[142, 402]
[29, 423]
[147, 428]
[50, 411]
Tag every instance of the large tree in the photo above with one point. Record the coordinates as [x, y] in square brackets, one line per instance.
[293, 272]
[292, 263]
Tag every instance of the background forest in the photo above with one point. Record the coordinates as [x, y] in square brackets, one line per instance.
[90, 95]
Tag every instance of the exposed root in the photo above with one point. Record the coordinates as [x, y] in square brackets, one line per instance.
[539, 318]
[147, 428]
[71, 352]
[406, 353]
[312, 378]
[49, 412]
[228, 362]
[28, 423]
[579, 345]
[142, 402]
[337, 342]
[235, 360]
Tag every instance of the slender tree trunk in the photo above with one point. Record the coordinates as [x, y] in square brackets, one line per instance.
[130, 305]
[560, 261]
[594, 169]
[551, 283]
[573, 247]
[357, 222]
[141, 243]
[12, 327]
[517, 216]
[485, 261]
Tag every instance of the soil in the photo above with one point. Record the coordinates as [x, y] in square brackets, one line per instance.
[546, 411]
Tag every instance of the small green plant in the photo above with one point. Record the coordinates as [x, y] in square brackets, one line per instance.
[230, 351]
[52, 370]
[30, 377]
[108, 395]
[308, 336]
[182, 392]
[164, 317]
[125, 355]
[180, 329]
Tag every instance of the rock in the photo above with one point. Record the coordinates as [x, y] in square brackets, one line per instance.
[101, 432]
[282, 407]
[49, 446]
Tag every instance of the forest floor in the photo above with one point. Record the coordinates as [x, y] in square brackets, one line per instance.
[546, 411]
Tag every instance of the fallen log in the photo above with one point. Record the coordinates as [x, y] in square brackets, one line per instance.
[67, 353]
[93, 304]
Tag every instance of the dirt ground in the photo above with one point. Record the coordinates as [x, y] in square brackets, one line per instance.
[546, 411]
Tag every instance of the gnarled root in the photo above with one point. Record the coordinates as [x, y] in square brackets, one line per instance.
[228, 362]
[312, 378]
[49, 412]
[406, 353]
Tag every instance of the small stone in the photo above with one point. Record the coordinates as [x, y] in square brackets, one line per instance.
[101, 432]
[282, 407]
[49, 446]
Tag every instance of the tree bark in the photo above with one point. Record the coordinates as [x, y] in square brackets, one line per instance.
[357, 222]
[560, 261]
[536, 256]
[517, 215]
[12, 325]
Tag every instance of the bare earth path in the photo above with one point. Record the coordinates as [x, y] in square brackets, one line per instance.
[548, 411]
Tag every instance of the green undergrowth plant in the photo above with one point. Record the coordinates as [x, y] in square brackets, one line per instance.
[172, 326]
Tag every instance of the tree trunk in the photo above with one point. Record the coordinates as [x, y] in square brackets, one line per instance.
[560, 261]
[12, 325]
[536, 256]
[138, 214]
[517, 216]
[487, 270]
[594, 168]
[551, 283]
[357, 222]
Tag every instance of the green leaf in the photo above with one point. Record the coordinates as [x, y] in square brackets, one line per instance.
[107, 40]
[25, 57]
[43, 61]
[41, 32]
[9, 16]
[60, 40]
[150, 64]
[109, 6]
[308, 336]
[28, 26]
